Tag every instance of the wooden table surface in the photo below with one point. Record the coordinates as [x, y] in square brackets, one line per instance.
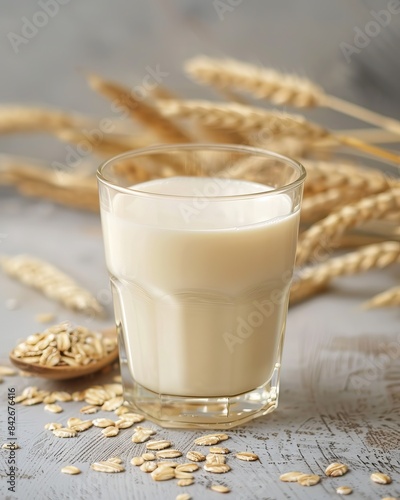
[340, 388]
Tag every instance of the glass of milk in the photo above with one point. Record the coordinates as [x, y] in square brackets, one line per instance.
[200, 245]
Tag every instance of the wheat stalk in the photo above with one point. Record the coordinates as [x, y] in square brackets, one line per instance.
[52, 282]
[140, 110]
[280, 88]
[323, 233]
[32, 119]
[389, 298]
[312, 280]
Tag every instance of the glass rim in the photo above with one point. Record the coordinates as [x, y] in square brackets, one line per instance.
[202, 146]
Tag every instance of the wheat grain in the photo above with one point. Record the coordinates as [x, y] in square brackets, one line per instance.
[314, 279]
[263, 83]
[323, 233]
[389, 298]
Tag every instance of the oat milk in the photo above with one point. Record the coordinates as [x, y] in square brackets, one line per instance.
[200, 285]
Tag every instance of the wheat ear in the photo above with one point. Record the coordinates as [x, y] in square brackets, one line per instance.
[63, 188]
[251, 120]
[52, 282]
[140, 110]
[324, 175]
[244, 119]
[389, 298]
[322, 234]
[314, 279]
[104, 144]
[280, 88]
[15, 119]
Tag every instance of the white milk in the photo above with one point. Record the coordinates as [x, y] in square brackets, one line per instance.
[200, 286]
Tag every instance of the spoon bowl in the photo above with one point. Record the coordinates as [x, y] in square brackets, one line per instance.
[67, 372]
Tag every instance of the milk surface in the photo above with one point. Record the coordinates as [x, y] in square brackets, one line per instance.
[200, 285]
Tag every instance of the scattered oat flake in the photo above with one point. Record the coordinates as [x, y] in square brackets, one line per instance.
[344, 490]
[195, 456]
[291, 477]
[167, 463]
[64, 432]
[308, 479]
[207, 440]
[51, 426]
[183, 475]
[219, 450]
[53, 408]
[336, 469]
[247, 456]
[123, 424]
[83, 425]
[116, 460]
[148, 466]
[380, 478]
[133, 417]
[7, 371]
[121, 410]
[103, 422]
[220, 488]
[217, 468]
[107, 466]
[215, 458]
[189, 467]
[73, 421]
[70, 469]
[185, 482]
[10, 446]
[89, 409]
[183, 496]
[169, 454]
[110, 431]
[148, 456]
[113, 403]
[160, 444]
[32, 401]
[62, 396]
[137, 461]
[163, 473]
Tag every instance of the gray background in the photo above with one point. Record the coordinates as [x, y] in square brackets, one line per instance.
[120, 39]
[324, 415]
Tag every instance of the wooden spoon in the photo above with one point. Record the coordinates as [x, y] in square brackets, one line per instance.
[67, 372]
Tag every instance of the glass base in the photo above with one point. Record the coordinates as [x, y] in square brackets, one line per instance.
[192, 412]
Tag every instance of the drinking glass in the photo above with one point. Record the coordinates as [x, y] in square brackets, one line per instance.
[200, 244]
